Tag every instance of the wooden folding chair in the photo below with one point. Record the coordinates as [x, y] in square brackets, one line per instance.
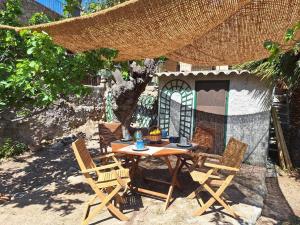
[108, 132]
[204, 139]
[213, 181]
[106, 181]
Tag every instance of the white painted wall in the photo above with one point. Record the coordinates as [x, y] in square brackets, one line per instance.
[185, 67]
[249, 104]
[222, 67]
[247, 93]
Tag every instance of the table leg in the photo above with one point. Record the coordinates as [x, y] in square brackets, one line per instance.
[173, 183]
[135, 165]
[171, 171]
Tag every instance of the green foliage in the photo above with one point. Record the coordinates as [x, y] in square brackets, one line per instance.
[145, 114]
[291, 44]
[109, 114]
[12, 11]
[100, 5]
[291, 33]
[71, 7]
[105, 73]
[162, 58]
[39, 72]
[38, 18]
[34, 71]
[283, 65]
[74, 7]
[125, 75]
[23, 112]
[272, 47]
[11, 148]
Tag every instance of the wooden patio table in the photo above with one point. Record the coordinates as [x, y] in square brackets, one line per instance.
[164, 150]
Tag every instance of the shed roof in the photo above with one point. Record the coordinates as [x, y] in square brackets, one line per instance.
[204, 73]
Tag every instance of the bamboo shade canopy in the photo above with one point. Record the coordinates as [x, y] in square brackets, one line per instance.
[207, 32]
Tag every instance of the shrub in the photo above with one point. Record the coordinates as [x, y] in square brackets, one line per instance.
[11, 148]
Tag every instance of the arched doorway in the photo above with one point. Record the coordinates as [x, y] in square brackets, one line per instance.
[176, 102]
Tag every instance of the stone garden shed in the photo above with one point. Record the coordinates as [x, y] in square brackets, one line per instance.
[214, 105]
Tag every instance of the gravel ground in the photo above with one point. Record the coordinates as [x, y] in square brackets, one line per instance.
[46, 187]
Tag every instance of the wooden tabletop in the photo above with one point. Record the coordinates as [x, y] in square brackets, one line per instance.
[168, 148]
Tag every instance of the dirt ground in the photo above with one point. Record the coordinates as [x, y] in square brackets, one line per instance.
[282, 203]
[46, 187]
[290, 187]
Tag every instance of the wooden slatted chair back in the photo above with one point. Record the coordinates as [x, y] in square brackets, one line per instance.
[234, 153]
[204, 137]
[108, 132]
[82, 155]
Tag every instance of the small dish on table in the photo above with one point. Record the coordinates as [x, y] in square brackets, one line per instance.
[134, 148]
[184, 145]
[126, 140]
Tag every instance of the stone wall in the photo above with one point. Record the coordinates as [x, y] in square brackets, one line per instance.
[248, 116]
[52, 122]
[29, 7]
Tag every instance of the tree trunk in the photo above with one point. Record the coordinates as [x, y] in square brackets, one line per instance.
[77, 10]
[125, 94]
[295, 127]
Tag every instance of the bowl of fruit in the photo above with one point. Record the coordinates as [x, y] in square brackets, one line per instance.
[154, 135]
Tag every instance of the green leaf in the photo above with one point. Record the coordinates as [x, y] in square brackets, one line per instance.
[46, 98]
[125, 75]
[289, 35]
[30, 50]
[32, 64]
[104, 73]
[4, 83]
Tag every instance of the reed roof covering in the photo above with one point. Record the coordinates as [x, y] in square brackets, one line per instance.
[207, 32]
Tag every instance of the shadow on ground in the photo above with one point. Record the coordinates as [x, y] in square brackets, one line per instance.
[275, 205]
[42, 178]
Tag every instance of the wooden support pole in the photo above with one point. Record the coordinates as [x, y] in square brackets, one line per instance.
[284, 157]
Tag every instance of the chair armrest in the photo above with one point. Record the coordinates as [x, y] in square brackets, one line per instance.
[110, 155]
[212, 165]
[213, 156]
[104, 156]
[98, 168]
[119, 179]
[203, 154]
